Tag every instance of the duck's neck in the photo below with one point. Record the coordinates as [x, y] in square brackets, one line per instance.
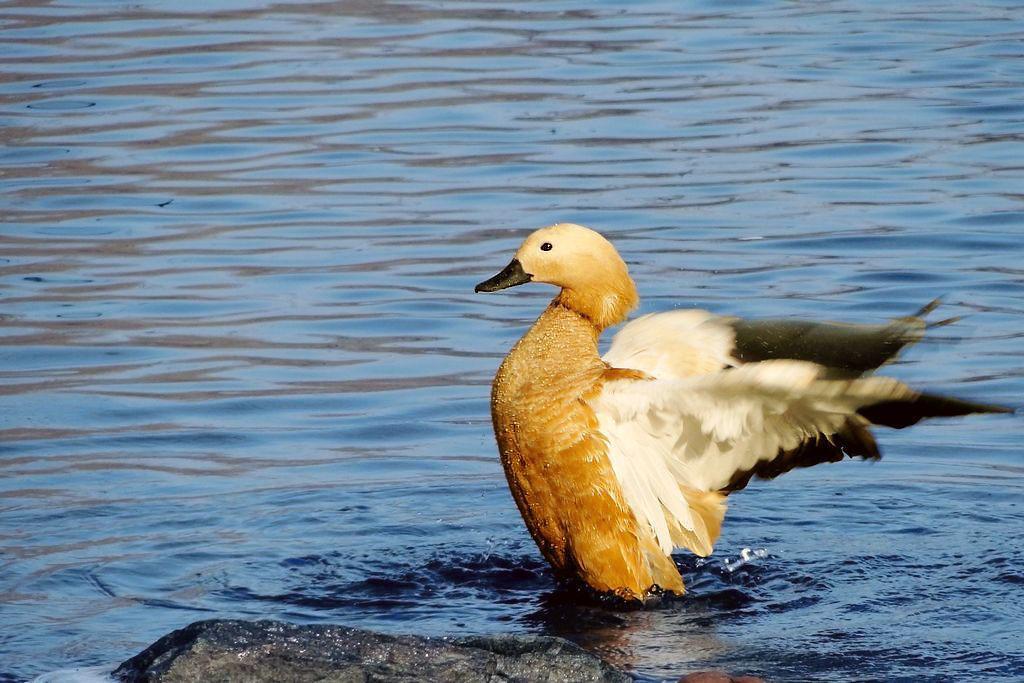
[563, 335]
[603, 303]
[558, 350]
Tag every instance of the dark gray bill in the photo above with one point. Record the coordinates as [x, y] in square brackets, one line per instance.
[510, 277]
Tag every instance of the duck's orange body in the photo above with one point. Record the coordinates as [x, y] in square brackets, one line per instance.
[557, 463]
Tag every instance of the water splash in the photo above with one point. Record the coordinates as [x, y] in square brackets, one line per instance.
[746, 557]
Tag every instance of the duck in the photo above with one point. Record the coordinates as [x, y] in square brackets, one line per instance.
[616, 461]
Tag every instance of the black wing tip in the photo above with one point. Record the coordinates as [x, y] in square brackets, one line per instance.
[900, 414]
[919, 316]
[928, 307]
[942, 323]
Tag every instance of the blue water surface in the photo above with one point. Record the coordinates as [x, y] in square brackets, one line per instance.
[243, 372]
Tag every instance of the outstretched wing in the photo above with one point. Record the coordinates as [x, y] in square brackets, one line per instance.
[690, 342]
[676, 444]
[728, 400]
[671, 441]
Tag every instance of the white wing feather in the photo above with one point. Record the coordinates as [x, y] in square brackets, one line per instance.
[697, 425]
[673, 344]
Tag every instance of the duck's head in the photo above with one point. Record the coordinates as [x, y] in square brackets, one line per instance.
[592, 276]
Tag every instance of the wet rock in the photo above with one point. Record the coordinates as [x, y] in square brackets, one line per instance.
[229, 651]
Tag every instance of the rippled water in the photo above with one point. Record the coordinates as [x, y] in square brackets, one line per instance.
[243, 373]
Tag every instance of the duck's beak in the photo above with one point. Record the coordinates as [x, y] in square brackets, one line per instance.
[512, 275]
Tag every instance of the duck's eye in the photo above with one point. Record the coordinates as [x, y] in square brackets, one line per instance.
[546, 246]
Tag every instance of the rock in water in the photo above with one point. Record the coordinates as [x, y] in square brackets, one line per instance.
[230, 651]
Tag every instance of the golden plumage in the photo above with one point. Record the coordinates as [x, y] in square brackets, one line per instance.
[557, 464]
[612, 467]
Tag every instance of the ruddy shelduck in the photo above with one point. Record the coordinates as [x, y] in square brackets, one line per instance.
[616, 461]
